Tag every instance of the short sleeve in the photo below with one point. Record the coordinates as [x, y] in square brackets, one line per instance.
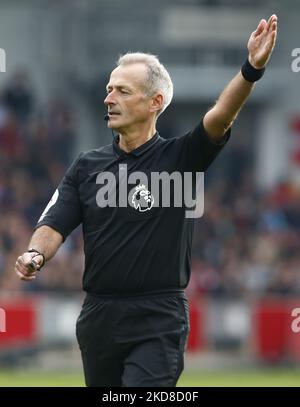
[200, 150]
[63, 212]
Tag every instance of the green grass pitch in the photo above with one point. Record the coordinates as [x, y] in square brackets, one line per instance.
[276, 377]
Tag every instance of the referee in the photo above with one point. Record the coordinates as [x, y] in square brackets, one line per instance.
[134, 322]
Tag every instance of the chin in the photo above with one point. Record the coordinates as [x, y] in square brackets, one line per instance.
[116, 125]
[113, 126]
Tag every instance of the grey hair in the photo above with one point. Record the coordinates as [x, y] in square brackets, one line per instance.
[158, 79]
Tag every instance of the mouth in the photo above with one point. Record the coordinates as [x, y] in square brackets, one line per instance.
[113, 114]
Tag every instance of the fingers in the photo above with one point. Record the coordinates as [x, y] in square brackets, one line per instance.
[272, 33]
[260, 28]
[274, 29]
[24, 274]
[26, 266]
[272, 22]
[25, 278]
[266, 26]
[271, 43]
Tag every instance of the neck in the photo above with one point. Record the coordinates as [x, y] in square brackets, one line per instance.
[130, 140]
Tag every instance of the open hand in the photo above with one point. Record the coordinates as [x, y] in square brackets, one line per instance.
[262, 41]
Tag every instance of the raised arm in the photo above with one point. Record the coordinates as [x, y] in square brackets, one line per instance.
[45, 240]
[260, 46]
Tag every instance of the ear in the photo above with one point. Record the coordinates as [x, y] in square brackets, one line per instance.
[156, 102]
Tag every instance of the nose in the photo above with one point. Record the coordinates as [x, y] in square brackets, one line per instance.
[109, 100]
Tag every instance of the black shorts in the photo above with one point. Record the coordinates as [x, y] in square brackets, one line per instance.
[133, 341]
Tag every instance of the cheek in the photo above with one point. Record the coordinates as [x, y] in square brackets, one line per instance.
[135, 109]
[139, 109]
[132, 111]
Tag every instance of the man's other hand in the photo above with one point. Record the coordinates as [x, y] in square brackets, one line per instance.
[262, 41]
[27, 265]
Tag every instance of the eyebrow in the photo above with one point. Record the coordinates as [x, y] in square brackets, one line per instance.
[118, 87]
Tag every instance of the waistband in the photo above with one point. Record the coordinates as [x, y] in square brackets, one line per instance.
[146, 294]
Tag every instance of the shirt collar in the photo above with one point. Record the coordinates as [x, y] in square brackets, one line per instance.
[139, 150]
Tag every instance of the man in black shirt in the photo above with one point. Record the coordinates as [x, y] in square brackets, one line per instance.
[137, 229]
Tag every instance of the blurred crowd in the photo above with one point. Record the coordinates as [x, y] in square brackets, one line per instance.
[247, 242]
[36, 147]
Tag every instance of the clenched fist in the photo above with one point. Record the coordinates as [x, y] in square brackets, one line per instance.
[28, 264]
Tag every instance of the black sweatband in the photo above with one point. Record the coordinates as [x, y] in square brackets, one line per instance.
[38, 254]
[250, 73]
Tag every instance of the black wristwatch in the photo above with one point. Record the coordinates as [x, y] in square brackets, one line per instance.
[31, 250]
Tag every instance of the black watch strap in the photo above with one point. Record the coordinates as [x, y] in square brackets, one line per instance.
[31, 250]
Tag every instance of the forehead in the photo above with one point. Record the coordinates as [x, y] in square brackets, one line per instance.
[133, 75]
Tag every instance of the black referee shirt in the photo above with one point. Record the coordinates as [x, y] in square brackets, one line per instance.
[131, 249]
